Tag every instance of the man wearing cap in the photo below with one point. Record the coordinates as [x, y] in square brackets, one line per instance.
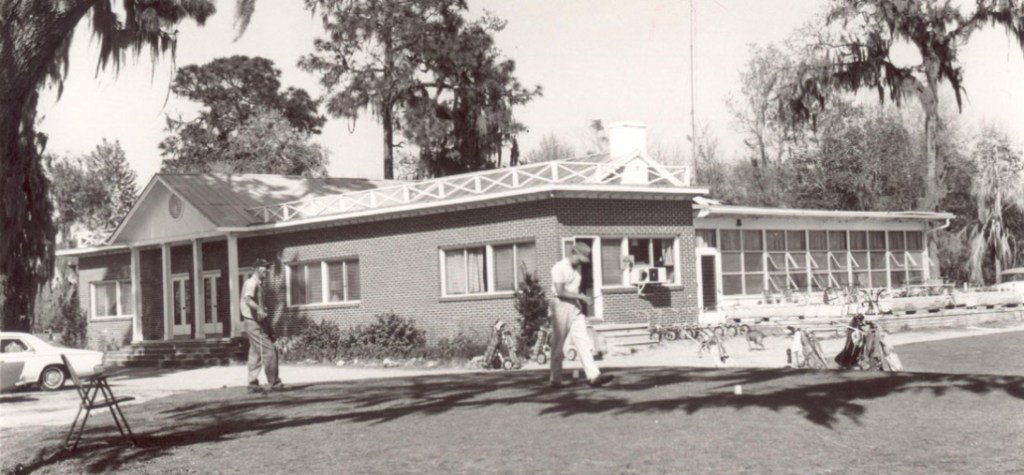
[567, 319]
[261, 348]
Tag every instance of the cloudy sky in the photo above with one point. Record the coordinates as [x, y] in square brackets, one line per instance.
[611, 60]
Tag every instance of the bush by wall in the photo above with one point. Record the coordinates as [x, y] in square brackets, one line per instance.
[532, 305]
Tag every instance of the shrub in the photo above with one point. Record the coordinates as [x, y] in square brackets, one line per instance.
[70, 322]
[390, 335]
[321, 341]
[532, 305]
[458, 346]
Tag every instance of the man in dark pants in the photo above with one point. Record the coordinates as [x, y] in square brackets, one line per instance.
[262, 352]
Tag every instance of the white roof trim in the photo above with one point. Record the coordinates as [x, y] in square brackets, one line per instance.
[81, 251]
[423, 208]
[729, 210]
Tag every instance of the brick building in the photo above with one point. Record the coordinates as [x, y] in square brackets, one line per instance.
[450, 252]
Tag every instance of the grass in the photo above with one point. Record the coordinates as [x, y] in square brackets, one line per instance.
[650, 420]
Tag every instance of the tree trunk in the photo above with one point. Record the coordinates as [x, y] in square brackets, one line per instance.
[32, 34]
[389, 143]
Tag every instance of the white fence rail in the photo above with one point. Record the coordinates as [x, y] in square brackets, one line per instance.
[471, 184]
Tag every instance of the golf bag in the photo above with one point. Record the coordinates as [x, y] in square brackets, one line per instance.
[501, 349]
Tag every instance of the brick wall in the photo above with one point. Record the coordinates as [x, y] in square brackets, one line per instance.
[400, 264]
[102, 332]
[400, 268]
[636, 218]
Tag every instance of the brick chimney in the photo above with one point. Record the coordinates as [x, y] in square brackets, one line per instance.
[626, 137]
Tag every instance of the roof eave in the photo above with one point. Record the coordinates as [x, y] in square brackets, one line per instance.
[477, 201]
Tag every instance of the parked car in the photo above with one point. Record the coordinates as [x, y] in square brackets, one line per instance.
[41, 359]
[10, 374]
[1012, 280]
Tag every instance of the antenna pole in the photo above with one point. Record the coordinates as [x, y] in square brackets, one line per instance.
[693, 114]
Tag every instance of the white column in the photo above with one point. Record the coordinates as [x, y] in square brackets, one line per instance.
[199, 292]
[168, 292]
[136, 297]
[233, 289]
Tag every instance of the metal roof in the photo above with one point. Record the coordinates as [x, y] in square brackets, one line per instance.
[224, 199]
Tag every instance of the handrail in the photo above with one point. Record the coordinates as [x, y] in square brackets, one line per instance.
[469, 184]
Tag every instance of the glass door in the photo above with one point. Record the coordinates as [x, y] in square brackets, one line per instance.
[182, 315]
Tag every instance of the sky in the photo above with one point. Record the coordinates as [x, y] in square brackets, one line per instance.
[608, 60]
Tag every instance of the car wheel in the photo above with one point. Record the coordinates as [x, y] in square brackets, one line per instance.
[53, 378]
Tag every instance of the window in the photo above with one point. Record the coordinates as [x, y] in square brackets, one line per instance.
[112, 298]
[643, 252]
[311, 283]
[743, 261]
[706, 238]
[13, 345]
[486, 269]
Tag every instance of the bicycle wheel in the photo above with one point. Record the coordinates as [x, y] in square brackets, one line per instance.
[732, 330]
[744, 329]
[508, 365]
[542, 358]
[571, 354]
[719, 331]
[671, 335]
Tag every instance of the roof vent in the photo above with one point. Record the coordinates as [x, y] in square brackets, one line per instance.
[625, 138]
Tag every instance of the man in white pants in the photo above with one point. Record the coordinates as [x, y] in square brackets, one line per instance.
[567, 319]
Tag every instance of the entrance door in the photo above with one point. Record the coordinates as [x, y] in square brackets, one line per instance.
[182, 316]
[214, 323]
[709, 287]
[587, 279]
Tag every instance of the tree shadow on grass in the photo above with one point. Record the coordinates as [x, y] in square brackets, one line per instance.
[203, 417]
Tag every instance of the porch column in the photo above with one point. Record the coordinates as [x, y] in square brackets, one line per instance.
[136, 297]
[233, 289]
[199, 293]
[165, 250]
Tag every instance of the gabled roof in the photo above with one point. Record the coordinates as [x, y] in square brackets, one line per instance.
[224, 198]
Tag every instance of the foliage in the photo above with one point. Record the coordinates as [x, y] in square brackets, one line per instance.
[459, 346]
[859, 56]
[550, 148]
[390, 335]
[860, 159]
[321, 341]
[57, 308]
[423, 71]
[36, 56]
[248, 125]
[532, 305]
[997, 187]
[91, 194]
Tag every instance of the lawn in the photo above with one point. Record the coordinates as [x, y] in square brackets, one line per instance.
[650, 420]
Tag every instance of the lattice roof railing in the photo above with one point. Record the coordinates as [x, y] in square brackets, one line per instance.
[439, 190]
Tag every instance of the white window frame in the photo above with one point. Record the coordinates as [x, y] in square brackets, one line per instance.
[488, 263]
[624, 251]
[325, 287]
[117, 295]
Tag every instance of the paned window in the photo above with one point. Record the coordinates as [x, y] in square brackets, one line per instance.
[112, 298]
[488, 268]
[320, 282]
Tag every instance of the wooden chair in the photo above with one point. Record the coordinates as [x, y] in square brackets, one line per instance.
[89, 389]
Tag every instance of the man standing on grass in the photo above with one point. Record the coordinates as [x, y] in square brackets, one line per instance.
[567, 319]
[262, 352]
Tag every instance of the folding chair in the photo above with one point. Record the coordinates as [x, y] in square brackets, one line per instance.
[88, 390]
